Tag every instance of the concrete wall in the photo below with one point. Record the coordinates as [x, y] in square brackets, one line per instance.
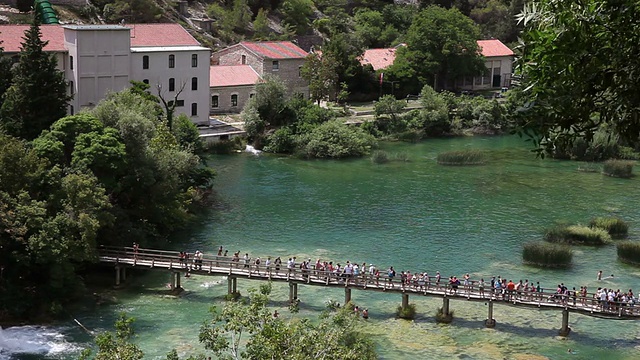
[224, 94]
[159, 73]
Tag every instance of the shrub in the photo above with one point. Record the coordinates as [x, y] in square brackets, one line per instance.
[616, 227]
[547, 255]
[443, 318]
[234, 296]
[618, 168]
[335, 140]
[379, 157]
[282, 140]
[408, 313]
[629, 252]
[461, 157]
[577, 234]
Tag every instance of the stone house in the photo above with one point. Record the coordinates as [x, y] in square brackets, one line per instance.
[98, 59]
[280, 58]
[231, 86]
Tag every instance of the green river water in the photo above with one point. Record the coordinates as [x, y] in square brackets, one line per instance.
[414, 215]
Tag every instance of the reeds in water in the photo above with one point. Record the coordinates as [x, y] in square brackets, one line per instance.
[629, 252]
[408, 313]
[547, 255]
[462, 157]
[616, 227]
[618, 168]
[577, 234]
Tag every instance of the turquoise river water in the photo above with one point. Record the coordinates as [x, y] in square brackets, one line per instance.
[414, 215]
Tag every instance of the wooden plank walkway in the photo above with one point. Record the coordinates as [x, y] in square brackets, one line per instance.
[126, 257]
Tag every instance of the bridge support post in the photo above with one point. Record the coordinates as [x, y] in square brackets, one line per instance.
[117, 275]
[124, 274]
[405, 301]
[293, 292]
[445, 306]
[565, 329]
[347, 295]
[490, 322]
[177, 279]
[232, 283]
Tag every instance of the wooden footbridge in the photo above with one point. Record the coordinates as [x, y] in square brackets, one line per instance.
[233, 268]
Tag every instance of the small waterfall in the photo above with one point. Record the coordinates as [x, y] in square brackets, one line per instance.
[251, 149]
[33, 340]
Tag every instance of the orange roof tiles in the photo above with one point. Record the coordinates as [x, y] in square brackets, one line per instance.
[491, 48]
[275, 49]
[378, 58]
[232, 75]
[11, 37]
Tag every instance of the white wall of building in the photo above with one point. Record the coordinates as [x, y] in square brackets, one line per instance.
[183, 73]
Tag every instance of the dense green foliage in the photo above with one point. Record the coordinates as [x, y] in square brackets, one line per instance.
[577, 234]
[546, 254]
[38, 94]
[629, 251]
[618, 168]
[335, 336]
[116, 345]
[616, 227]
[577, 65]
[461, 157]
[130, 11]
[333, 139]
[6, 75]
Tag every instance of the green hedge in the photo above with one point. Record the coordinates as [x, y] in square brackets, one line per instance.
[616, 227]
[547, 255]
[629, 251]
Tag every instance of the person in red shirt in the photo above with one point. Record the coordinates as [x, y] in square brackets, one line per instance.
[510, 288]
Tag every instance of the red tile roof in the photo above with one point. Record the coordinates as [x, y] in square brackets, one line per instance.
[491, 48]
[11, 37]
[378, 58]
[160, 35]
[275, 49]
[141, 35]
[232, 75]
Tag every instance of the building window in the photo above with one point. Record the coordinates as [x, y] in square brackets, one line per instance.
[214, 101]
[252, 95]
[71, 89]
[145, 62]
[71, 62]
[194, 60]
[244, 59]
[146, 81]
[172, 61]
[194, 109]
[179, 103]
[234, 100]
[275, 65]
[172, 84]
[71, 110]
[300, 71]
[194, 83]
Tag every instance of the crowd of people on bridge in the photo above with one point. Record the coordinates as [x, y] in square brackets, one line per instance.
[355, 274]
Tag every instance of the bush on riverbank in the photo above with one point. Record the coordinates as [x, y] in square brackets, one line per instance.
[408, 313]
[461, 157]
[618, 168]
[629, 252]
[616, 227]
[547, 255]
[576, 234]
[335, 140]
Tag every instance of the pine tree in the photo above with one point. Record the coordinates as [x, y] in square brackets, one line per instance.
[6, 76]
[38, 96]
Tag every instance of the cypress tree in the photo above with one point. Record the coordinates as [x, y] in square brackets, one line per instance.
[5, 74]
[38, 96]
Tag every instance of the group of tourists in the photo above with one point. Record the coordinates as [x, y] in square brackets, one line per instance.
[355, 274]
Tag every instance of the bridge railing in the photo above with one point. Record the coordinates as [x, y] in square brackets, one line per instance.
[238, 266]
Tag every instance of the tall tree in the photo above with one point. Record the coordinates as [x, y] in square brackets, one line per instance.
[38, 96]
[320, 72]
[580, 64]
[6, 76]
[441, 46]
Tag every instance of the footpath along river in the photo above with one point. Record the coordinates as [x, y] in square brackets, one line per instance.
[414, 215]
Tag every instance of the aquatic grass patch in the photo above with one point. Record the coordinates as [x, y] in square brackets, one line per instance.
[407, 313]
[443, 318]
[629, 252]
[547, 255]
[618, 168]
[382, 157]
[616, 227]
[576, 234]
[590, 167]
[462, 157]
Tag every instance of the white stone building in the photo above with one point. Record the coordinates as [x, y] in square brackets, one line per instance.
[98, 59]
[498, 60]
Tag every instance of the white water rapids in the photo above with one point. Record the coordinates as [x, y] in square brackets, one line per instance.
[23, 340]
